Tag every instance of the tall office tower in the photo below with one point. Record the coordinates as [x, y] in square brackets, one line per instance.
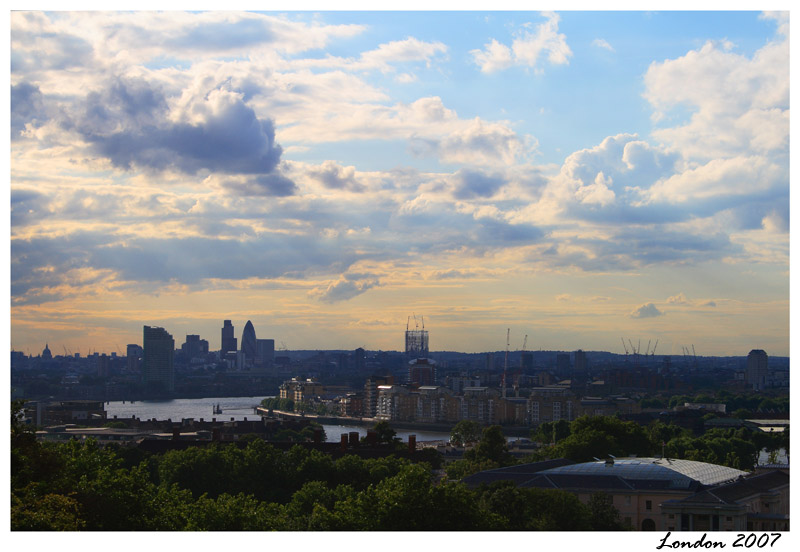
[249, 347]
[562, 363]
[580, 369]
[103, 366]
[228, 341]
[194, 347]
[416, 341]
[360, 360]
[157, 369]
[265, 351]
[757, 369]
[526, 362]
[134, 357]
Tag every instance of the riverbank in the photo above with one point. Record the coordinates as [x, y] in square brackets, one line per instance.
[514, 431]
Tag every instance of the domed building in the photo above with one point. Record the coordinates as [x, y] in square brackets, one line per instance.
[46, 354]
[662, 494]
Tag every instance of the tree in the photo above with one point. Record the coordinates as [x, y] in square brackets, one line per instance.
[604, 516]
[385, 434]
[493, 446]
[465, 432]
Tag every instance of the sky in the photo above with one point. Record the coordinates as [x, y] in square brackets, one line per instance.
[579, 178]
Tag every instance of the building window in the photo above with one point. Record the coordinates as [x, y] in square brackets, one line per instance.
[729, 518]
[672, 516]
[648, 504]
[628, 500]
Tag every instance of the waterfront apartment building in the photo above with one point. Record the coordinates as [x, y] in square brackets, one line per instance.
[158, 372]
[301, 390]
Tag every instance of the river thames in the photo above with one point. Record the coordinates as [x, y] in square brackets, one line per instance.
[235, 408]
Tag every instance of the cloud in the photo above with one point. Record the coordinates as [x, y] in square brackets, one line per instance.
[737, 105]
[347, 287]
[646, 311]
[130, 124]
[336, 177]
[475, 142]
[27, 108]
[527, 48]
[602, 43]
[470, 184]
[679, 299]
[401, 51]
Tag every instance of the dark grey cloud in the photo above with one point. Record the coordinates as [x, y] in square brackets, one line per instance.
[27, 106]
[128, 123]
[635, 247]
[471, 184]
[263, 185]
[39, 263]
[27, 206]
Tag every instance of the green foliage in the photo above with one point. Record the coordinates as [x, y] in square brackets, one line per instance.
[51, 512]
[385, 434]
[551, 432]
[460, 469]
[492, 446]
[464, 432]
[519, 509]
[603, 515]
[600, 436]
[275, 403]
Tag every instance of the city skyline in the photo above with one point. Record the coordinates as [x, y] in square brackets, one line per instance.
[577, 177]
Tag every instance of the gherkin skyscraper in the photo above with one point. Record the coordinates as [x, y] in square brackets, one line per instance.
[249, 346]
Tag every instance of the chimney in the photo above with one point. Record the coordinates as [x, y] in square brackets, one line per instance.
[412, 443]
[317, 436]
[354, 438]
[344, 441]
[372, 438]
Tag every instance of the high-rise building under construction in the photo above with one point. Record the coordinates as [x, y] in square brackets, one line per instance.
[416, 340]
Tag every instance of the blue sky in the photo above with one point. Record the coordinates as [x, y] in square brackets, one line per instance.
[574, 176]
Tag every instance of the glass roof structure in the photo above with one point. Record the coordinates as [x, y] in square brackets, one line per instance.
[680, 473]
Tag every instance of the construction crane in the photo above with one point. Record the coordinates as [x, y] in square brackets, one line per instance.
[653, 354]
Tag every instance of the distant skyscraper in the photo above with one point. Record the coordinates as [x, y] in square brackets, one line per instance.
[134, 357]
[249, 346]
[228, 341]
[757, 372]
[360, 359]
[194, 347]
[562, 363]
[157, 369]
[580, 369]
[265, 352]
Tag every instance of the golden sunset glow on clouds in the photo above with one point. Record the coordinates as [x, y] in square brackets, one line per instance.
[577, 177]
